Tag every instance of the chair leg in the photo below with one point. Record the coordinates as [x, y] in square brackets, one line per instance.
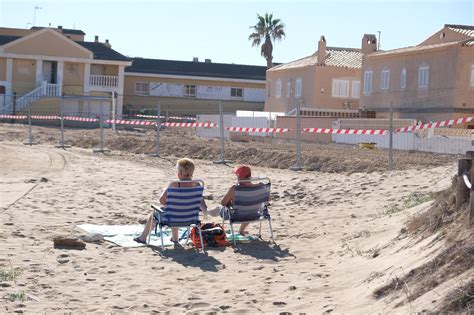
[189, 234]
[162, 242]
[232, 231]
[260, 230]
[202, 241]
[271, 230]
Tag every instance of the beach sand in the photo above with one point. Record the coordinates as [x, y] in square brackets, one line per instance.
[336, 240]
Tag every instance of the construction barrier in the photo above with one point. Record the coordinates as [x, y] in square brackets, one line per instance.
[153, 123]
[261, 130]
[164, 117]
[12, 117]
[347, 131]
[437, 124]
[72, 118]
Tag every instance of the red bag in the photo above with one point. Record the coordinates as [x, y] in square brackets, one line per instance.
[213, 235]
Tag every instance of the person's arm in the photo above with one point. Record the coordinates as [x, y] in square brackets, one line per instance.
[229, 197]
[163, 197]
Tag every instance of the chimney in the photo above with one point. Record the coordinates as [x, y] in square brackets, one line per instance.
[60, 28]
[195, 59]
[369, 44]
[96, 39]
[208, 61]
[107, 43]
[322, 51]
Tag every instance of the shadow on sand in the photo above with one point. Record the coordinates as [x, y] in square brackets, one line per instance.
[189, 257]
[263, 250]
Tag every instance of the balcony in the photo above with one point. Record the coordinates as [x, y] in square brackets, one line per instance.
[103, 81]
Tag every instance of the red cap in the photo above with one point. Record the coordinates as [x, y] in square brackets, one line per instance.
[242, 172]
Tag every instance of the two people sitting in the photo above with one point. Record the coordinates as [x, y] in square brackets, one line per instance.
[185, 168]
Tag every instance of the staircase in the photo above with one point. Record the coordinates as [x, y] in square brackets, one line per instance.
[45, 90]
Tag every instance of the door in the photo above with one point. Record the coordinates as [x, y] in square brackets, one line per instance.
[50, 71]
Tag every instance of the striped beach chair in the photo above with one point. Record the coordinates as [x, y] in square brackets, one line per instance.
[250, 205]
[181, 209]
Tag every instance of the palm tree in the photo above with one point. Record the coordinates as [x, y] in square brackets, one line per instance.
[267, 28]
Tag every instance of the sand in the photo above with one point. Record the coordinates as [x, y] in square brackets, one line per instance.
[336, 241]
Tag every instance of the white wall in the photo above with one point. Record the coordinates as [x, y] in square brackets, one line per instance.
[206, 92]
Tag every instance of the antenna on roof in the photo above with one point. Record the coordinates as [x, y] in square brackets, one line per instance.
[34, 14]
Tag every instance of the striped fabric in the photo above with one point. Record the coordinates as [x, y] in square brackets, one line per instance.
[182, 206]
[250, 203]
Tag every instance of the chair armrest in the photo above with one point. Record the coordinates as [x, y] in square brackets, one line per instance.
[157, 208]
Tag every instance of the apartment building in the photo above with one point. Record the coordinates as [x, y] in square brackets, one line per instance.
[326, 82]
[39, 65]
[429, 82]
[193, 87]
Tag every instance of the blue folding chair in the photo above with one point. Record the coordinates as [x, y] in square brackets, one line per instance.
[181, 209]
[250, 205]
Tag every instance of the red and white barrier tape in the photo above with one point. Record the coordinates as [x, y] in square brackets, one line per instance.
[44, 117]
[346, 131]
[131, 122]
[72, 118]
[12, 117]
[437, 124]
[203, 125]
[163, 117]
[262, 130]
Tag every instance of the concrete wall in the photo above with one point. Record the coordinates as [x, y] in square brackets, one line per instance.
[316, 88]
[24, 76]
[425, 104]
[187, 106]
[73, 78]
[3, 69]
[464, 91]
[306, 122]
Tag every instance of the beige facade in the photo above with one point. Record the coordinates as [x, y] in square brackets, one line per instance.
[429, 82]
[39, 65]
[327, 81]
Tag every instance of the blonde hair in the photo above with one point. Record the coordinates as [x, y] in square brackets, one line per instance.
[186, 167]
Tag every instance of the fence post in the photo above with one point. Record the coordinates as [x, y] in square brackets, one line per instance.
[14, 104]
[101, 149]
[29, 141]
[298, 165]
[221, 129]
[61, 142]
[113, 109]
[158, 126]
[391, 165]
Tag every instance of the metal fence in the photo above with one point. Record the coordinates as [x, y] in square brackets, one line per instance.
[228, 127]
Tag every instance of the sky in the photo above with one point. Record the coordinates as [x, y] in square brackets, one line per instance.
[219, 30]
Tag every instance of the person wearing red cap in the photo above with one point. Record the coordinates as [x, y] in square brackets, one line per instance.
[242, 172]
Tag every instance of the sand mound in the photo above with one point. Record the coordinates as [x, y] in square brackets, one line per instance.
[182, 142]
[448, 225]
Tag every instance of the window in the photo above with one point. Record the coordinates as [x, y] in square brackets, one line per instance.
[355, 89]
[288, 88]
[472, 75]
[298, 83]
[385, 79]
[423, 76]
[340, 88]
[236, 92]
[403, 79]
[141, 88]
[189, 90]
[368, 82]
[278, 88]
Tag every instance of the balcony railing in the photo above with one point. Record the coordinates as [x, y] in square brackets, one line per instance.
[103, 80]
